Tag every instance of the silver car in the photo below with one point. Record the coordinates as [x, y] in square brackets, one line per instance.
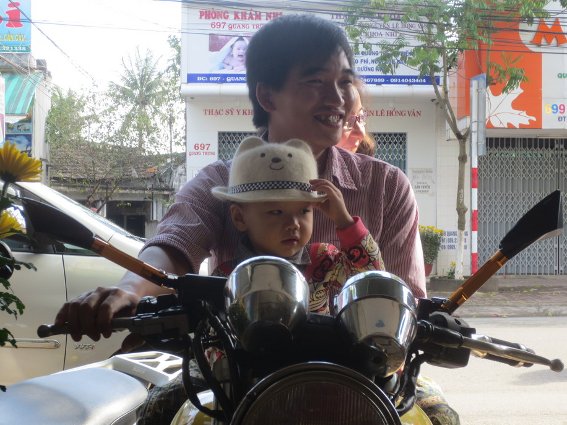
[63, 272]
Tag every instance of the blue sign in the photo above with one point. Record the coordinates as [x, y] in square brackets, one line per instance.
[216, 78]
[15, 26]
[397, 79]
[368, 79]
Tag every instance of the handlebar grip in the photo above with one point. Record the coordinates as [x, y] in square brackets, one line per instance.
[44, 331]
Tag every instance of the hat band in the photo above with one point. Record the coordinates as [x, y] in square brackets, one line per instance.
[271, 185]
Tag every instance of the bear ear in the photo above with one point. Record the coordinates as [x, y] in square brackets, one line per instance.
[249, 143]
[299, 144]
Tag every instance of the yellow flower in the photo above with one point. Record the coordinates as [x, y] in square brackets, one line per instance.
[17, 166]
[9, 225]
[430, 242]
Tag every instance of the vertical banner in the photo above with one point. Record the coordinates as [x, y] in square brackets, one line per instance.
[15, 26]
[2, 110]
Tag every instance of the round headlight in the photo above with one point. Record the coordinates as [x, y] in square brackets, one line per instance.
[377, 309]
[316, 394]
[267, 297]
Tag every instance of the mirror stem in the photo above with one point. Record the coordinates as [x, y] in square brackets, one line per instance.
[132, 264]
[473, 283]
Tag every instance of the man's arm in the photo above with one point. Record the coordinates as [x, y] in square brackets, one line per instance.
[185, 237]
[399, 242]
[91, 313]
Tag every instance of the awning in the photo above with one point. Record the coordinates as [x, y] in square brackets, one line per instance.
[20, 90]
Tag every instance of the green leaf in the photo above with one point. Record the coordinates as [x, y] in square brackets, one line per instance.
[6, 336]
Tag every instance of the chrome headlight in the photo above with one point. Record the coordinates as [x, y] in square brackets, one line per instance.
[316, 394]
[266, 298]
[377, 309]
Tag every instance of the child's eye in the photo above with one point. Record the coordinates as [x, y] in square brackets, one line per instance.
[306, 210]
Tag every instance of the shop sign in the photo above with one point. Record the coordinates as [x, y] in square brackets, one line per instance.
[216, 41]
[15, 26]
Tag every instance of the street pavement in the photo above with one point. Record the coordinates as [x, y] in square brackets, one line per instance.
[491, 393]
[515, 296]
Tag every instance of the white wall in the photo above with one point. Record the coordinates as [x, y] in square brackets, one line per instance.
[208, 115]
[431, 158]
[417, 117]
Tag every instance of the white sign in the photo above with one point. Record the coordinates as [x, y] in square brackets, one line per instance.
[215, 41]
[450, 238]
[422, 181]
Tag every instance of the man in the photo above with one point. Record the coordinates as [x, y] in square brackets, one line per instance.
[300, 80]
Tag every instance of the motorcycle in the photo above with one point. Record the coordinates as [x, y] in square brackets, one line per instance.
[266, 359]
[105, 392]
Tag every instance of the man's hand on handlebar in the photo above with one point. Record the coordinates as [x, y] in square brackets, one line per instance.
[91, 313]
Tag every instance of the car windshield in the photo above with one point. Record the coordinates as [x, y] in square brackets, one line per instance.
[65, 203]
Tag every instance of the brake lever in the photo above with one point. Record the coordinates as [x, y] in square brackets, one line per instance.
[523, 356]
[429, 333]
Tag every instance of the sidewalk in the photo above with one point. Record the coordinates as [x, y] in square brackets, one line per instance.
[516, 296]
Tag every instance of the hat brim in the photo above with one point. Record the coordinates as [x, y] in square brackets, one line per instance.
[279, 195]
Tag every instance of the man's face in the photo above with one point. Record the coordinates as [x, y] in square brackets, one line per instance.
[313, 103]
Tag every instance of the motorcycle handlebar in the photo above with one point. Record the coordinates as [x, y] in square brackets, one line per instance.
[144, 325]
[507, 361]
[175, 324]
[45, 331]
[508, 352]
[489, 348]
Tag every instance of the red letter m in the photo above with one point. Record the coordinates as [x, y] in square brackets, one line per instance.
[549, 34]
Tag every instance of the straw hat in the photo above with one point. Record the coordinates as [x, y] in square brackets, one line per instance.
[267, 172]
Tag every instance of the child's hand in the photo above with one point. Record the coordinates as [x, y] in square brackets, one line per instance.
[334, 206]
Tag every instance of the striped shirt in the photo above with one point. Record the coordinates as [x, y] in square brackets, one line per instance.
[199, 225]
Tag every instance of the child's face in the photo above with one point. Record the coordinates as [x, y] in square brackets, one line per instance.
[239, 50]
[275, 228]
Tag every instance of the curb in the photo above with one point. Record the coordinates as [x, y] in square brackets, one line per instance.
[510, 301]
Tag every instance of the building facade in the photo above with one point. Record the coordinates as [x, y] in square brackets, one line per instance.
[525, 149]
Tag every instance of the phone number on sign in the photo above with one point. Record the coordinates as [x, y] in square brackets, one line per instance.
[555, 108]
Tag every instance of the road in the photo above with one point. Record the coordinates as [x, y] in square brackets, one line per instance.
[489, 393]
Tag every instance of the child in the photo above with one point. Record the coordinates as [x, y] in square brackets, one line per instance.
[274, 188]
[235, 60]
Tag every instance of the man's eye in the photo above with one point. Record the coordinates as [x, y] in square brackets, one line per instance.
[275, 212]
[306, 210]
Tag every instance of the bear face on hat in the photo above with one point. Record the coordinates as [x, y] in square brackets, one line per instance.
[271, 172]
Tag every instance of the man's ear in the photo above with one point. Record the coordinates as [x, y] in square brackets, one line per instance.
[264, 96]
[237, 216]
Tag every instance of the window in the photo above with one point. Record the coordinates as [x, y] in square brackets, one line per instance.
[229, 141]
[392, 148]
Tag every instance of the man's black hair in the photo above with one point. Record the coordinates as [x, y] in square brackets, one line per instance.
[283, 43]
